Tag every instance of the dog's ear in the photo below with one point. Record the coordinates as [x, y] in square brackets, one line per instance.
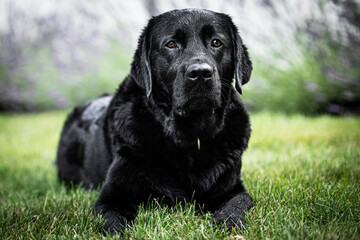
[242, 62]
[140, 67]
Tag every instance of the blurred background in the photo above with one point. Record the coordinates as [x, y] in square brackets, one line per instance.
[55, 54]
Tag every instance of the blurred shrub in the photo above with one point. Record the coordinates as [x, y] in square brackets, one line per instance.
[288, 87]
[39, 84]
[111, 70]
[321, 74]
[336, 46]
[58, 59]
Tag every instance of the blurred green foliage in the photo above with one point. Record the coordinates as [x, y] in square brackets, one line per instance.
[39, 84]
[318, 72]
[112, 68]
[284, 89]
[315, 71]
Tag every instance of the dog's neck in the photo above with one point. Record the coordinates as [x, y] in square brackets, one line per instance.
[187, 131]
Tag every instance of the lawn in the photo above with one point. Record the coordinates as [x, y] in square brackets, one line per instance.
[303, 172]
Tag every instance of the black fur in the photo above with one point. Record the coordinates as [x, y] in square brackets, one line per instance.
[175, 129]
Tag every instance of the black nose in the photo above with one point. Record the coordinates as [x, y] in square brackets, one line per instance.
[199, 71]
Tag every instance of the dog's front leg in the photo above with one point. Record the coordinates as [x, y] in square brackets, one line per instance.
[233, 212]
[116, 208]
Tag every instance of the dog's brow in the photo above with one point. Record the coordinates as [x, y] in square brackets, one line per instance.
[180, 34]
[207, 30]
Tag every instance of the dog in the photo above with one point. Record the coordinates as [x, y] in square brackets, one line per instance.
[174, 130]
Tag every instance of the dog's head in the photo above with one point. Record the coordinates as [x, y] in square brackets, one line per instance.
[186, 60]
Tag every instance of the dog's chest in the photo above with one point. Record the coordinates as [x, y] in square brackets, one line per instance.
[191, 170]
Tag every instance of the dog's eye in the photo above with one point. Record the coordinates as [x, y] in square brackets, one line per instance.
[171, 44]
[216, 43]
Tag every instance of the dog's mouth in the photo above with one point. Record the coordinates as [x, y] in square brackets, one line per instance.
[198, 106]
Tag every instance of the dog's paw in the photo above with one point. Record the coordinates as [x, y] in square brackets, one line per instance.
[233, 213]
[115, 223]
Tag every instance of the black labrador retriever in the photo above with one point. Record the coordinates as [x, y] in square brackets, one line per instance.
[174, 130]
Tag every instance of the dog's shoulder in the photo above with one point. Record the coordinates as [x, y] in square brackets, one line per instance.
[129, 116]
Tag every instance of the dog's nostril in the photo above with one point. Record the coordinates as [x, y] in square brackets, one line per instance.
[207, 74]
[193, 74]
[199, 71]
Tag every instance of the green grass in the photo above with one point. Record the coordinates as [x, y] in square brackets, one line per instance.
[304, 174]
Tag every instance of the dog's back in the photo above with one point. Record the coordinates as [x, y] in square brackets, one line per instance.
[80, 144]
